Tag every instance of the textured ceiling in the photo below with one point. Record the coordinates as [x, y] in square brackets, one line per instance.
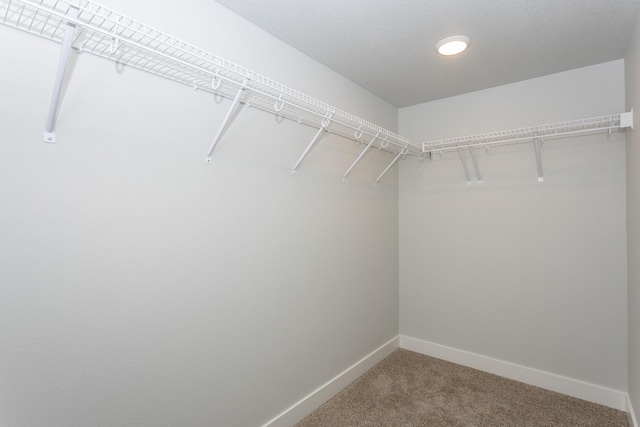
[388, 46]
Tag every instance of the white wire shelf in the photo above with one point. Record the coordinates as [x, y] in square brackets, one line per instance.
[534, 134]
[90, 27]
[106, 33]
[601, 124]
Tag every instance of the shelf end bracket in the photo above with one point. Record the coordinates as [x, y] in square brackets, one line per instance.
[69, 32]
[626, 119]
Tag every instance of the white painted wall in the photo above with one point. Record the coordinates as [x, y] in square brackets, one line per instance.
[141, 287]
[632, 68]
[532, 274]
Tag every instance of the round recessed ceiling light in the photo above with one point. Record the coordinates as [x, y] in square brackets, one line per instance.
[452, 45]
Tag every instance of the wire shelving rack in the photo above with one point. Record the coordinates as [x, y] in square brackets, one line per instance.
[87, 26]
[533, 134]
[608, 123]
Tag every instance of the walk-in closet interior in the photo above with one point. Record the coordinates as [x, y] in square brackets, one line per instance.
[223, 213]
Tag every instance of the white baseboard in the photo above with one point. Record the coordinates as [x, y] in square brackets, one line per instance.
[325, 392]
[631, 415]
[572, 387]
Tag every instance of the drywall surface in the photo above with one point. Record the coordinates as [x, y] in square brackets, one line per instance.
[632, 70]
[526, 272]
[142, 287]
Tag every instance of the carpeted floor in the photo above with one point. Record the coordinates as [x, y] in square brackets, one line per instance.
[412, 390]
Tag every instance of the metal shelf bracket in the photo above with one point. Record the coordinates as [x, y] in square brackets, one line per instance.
[227, 120]
[325, 122]
[404, 152]
[475, 165]
[536, 145]
[344, 177]
[464, 166]
[69, 32]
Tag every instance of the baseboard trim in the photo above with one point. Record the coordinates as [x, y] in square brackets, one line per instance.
[631, 415]
[569, 386]
[332, 387]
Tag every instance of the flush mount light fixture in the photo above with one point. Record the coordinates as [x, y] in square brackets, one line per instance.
[452, 45]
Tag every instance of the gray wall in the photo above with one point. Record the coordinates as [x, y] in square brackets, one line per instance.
[141, 287]
[632, 68]
[526, 272]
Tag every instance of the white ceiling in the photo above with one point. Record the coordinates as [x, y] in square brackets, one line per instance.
[388, 46]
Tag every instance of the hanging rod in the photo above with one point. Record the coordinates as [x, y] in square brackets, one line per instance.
[530, 134]
[113, 36]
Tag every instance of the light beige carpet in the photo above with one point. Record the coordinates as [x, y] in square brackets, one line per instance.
[412, 390]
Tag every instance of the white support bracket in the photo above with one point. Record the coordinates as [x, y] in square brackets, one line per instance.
[536, 144]
[323, 126]
[626, 119]
[403, 152]
[69, 32]
[344, 177]
[227, 120]
[475, 165]
[464, 166]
